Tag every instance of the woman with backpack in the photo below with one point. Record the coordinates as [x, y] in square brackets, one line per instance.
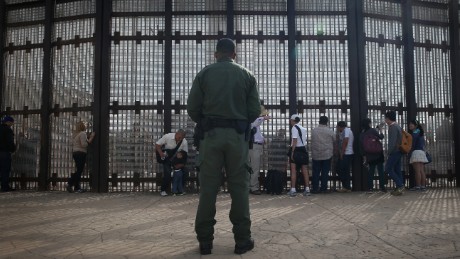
[417, 155]
[372, 150]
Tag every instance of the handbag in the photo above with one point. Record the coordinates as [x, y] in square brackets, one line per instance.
[428, 157]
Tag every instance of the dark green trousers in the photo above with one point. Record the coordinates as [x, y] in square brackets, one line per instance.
[223, 148]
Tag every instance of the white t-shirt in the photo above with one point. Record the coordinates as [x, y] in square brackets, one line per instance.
[295, 135]
[347, 133]
[258, 137]
[170, 142]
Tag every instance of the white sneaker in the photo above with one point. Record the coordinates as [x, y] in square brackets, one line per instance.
[292, 193]
[163, 193]
[307, 192]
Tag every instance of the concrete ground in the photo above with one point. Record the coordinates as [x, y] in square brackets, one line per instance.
[145, 225]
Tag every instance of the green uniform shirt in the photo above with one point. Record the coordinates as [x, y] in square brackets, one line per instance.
[224, 90]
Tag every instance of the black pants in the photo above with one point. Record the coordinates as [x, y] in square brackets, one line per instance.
[80, 160]
[166, 184]
[5, 168]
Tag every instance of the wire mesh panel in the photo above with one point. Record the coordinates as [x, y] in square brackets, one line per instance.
[199, 5]
[23, 79]
[137, 73]
[73, 85]
[63, 131]
[433, 91]
[22, 88]
[24, 166]
[137, 78]
[384, 62]
[157, 47]
[132, 150]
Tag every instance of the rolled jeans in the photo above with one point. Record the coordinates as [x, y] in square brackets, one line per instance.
[177, 181]
[321, 170]
[344, 170]
[393, 168]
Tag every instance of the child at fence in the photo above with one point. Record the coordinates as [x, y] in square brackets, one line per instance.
[178, 164]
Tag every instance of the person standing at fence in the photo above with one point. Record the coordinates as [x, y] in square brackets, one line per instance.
[417, 155]
[79, 150]
[374, 158]
[224, 100]
[393, 164]
[277, 152]
[299, 146]
[345, 149]
[172, 143]
[256, 150]
[322, 150]
[7, 146]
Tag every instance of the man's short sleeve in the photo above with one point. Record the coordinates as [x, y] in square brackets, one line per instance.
[162, 140]
[347, 132]
[184, 145]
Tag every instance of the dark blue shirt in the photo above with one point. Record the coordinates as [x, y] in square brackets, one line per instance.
[418, 142]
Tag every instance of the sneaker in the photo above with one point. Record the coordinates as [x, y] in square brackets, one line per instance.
[398, 191]
[423, 189]
[69, 188]
[80, 191]
[163, 194]
[370, 191]
[415, 188]
[307, 192]
[343, 190]
[292, 193]
[248, 246]
[180, 193]
[256, 192]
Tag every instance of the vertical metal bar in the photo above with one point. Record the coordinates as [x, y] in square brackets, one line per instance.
[292, 57]
[455, 71]
[46, 98]
[357, 81]
[409, 75]
[99, 177]
[168, 68]
[2, 45]
[230, 19]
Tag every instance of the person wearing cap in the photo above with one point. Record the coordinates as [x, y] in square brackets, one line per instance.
[298, 144]
[345, 148]
[224, 100]
[322, 150]
[7, 146]
[256, 151]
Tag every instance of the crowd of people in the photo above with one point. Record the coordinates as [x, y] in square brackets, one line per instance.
[225, 105]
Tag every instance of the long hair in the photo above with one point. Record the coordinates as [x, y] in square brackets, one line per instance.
[80, 127]
[417, 126]
[366, 124]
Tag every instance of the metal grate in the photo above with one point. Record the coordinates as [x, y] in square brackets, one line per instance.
[155, 54]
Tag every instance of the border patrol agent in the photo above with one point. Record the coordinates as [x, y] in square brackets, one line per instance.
[223, 101]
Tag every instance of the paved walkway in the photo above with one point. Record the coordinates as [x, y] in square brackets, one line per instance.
[145, 225]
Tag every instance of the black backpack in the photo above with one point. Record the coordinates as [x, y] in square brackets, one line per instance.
[274, 182]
